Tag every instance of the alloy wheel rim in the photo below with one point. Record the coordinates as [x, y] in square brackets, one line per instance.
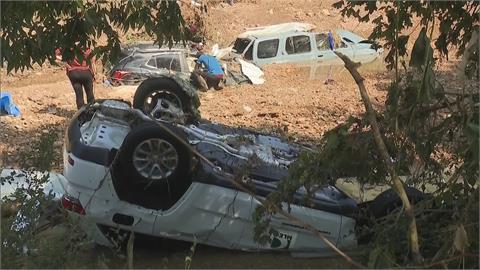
[163, 105]
[155, 159]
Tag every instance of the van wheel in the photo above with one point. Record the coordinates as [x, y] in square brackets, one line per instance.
[152, 167]
[163, 99]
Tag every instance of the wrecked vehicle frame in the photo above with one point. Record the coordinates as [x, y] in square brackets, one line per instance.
[115, 181]
[165, 172]
[299, 43]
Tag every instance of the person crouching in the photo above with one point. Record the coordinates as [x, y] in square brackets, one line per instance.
[208, 72]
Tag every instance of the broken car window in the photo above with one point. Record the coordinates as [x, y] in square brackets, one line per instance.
[241, 44]
[322, 42]
[170, 62]
[267, 48]
[298, 44]
[151, 62]
[342, 45]
[249, 53]
[134, 61]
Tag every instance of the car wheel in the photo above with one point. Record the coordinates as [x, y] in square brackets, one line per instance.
[388, 201]
[152, 167]
[164, 100]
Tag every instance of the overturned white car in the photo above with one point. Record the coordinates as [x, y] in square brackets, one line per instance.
[129, 170]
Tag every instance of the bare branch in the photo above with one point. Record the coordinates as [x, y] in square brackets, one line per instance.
[398, 184]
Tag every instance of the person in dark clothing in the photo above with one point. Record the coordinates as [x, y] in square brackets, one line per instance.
[208, 72]
[81, 75]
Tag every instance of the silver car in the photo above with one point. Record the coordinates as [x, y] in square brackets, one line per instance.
[142, 62]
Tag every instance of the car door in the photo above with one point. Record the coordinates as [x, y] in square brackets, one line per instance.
[265, 51]
[209, 214]
[298, 47]
[325, 53]
[322, 45]
[327, 62]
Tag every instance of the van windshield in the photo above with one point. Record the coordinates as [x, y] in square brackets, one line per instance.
[241, 44]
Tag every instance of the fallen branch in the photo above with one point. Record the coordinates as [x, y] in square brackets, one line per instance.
[397, 182]
[301, 223]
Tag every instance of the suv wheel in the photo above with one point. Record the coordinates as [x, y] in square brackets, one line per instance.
[152, 167]
[164, 100]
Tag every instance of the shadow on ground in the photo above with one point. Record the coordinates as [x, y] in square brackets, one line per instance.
[56, 110]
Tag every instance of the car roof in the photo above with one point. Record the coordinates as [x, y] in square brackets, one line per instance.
[149, 48]
[276, 30]
[281, 30]
[152, 52]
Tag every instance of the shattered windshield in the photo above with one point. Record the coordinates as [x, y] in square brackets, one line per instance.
[241, 44]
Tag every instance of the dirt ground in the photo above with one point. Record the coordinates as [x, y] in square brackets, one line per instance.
[225, 22]
[288, 104]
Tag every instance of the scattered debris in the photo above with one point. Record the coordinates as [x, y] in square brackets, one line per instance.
[220, 53]
[248, 109]
[253, 73]
[13, 179]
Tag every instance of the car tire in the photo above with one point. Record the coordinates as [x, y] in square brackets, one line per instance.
[152, 167]
[168, 89]
[388, 201]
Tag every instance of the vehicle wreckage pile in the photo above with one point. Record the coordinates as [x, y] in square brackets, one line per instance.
[158, 168]
[159, 162]
[282, 43]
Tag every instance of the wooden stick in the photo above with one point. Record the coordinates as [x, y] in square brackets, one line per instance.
[397, 182]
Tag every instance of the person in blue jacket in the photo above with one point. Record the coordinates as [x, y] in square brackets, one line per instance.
[208, 72]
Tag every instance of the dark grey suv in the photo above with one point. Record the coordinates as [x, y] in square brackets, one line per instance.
[141, 63]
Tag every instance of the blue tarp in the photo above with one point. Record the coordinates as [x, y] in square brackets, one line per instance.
[7, 106]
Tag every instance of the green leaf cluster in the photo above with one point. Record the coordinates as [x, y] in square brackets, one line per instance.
[391, 19]
[32, 30]
[431, 134]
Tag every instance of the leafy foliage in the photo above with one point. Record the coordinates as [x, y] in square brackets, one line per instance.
[457, 20]
[31, 31]
[432, 135]
[29, 209]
